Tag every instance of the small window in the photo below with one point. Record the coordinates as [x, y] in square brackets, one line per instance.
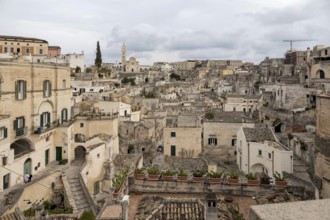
[27, 50]
[4, 161]
[98, 155]
[45, 119]
[173, 134]
[20, 89]
[47, 88]
[5, 50]
[213, 141]
[63, 84]
[3, 133]
[260, 152]
[12, 50]
[173, 150]
[40, 51]
[81, 125]
[269, 155]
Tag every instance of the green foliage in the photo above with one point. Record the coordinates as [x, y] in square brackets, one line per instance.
[198, 173]
[209, 115]
[213, 174]
[233, 175]
[153, 171]
[168, 172]
[126, 80]
[78, 69]
[98, 59]
[47, 205]
[235, 213]
[87, 215]
[117, 85]
[61, 211]
[280, 177]
[29, 212]
[88, 70]
[140, 170]
[251, 176]
[182, 173]
[149, 95]
[175, 76]
[119, 178]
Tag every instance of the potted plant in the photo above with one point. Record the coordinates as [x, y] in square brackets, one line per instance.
[118, 182]
[153, 173]
[167, 175]
[252, 179]
[139, 173]
[214, 177]
[198, 176]
[182, 175]
[280, 179]
[233, 177]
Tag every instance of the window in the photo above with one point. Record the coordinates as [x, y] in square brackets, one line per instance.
[45, 119]
[6, 179]
[173, 150]
[20, 89]
[3, 133]
[64, 115]
[269, 155]
[47, 88]
[260, 152]
[40, 51]
[5, 49]
[213, 141]
[11, 50]
[233, 142]
[4, 161]
[322, 75]
[173, 134]
[81, 125]
[63, 84]
[27, 50]
[234, 109]
[19, 125]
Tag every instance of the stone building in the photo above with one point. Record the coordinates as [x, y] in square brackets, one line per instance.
[34, 99]
[221, 131]
[241, 103]
[322, 142]
[258, 151]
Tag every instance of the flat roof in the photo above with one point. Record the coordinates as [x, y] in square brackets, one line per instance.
[24, 39]
[302, 210]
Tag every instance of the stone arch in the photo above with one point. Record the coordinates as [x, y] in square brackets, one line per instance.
[46, 106]
[80, 138]
[320, 74]
[259, 168]
[21, 147]
[80, 153]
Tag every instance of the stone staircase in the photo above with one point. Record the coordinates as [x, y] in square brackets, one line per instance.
[10, 216]
[74, 190]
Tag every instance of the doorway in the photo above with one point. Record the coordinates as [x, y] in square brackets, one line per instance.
[27, 166]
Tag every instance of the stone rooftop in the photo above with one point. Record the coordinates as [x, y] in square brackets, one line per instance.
[154, 207]
[305, 136]
[258, 134]
[230, 117]
[303, 210]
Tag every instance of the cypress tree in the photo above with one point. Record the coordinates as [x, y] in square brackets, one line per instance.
[98, 59]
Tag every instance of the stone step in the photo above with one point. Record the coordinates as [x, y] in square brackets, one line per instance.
[82, 206]
[10, 216]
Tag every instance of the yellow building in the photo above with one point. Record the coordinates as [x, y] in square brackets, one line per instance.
[23, 46]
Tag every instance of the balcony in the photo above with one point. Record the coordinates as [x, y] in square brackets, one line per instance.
[21, 131]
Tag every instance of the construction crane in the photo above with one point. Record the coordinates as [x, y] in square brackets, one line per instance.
[291, 41]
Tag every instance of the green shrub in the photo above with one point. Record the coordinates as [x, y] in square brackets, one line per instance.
[234, 175]
[213, 174]
[47, 205]
[198, 173]
[139, 170]
[168, 172]
[182, 173]
[87, 215]
[280, 177]
[30, 212]
[153, 171]
[251, 176]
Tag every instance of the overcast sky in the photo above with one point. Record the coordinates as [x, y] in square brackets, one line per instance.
[170, 30]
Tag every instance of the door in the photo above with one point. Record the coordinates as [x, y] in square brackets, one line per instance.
[58, 153]
[46, 157]
[173, 149]
[6, 179]
[27, 167]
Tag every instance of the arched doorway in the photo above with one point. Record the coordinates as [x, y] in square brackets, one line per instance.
[27, 168]
[80, 154]
[259, 168]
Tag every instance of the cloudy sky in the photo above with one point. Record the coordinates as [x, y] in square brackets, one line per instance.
[170, 30]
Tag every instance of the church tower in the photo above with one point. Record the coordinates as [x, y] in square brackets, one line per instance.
[123, 57]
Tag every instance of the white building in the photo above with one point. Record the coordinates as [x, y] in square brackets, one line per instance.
[259, 151]
[241, 103]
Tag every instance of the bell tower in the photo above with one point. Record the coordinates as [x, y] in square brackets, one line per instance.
[123, 56]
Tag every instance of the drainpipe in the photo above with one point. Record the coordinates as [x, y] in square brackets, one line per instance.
[248, 157]
[273, 162]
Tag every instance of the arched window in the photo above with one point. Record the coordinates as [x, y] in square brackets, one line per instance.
[64, 115]
[322, 75]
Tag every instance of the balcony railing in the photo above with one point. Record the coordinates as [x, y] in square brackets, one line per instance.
[21, 131]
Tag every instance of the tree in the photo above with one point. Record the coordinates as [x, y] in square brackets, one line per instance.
[98, 59]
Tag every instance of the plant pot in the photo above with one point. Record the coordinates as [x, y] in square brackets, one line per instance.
[182, 178]
[253, 182]
[215, 180]
[153, 177]
[139, 176]
[198, 179]
[167, 178]
[282, 183]
[232, 181]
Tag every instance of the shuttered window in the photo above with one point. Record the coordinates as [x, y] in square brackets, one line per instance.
[47, 88]
[20, 90]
